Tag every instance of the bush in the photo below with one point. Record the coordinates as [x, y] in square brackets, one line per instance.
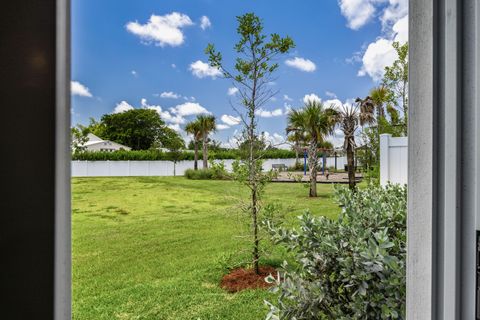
[216, 171]
[296, 166]
[154, 155]
[134, 155]
[349, 268]
[200, 174]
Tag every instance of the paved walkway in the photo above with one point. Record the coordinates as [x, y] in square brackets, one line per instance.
[297, 176]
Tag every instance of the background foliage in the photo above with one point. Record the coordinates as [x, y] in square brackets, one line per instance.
[153, 155]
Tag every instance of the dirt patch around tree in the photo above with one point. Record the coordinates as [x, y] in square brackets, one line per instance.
[242, 279]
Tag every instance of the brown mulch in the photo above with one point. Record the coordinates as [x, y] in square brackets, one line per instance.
[241, 279]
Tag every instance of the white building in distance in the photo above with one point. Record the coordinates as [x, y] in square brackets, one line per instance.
[95, 143]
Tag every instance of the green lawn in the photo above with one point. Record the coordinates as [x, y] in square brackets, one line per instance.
[151, 248]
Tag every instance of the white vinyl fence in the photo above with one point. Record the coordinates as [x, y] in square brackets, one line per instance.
[164, 168]
[393, 159]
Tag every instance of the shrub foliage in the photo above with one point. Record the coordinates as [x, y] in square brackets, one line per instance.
[217, 171]
[153, 155]
[349, 268]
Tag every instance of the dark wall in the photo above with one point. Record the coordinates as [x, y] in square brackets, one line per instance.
[27, 158]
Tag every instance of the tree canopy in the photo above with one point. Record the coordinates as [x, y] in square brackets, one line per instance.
[138, 129]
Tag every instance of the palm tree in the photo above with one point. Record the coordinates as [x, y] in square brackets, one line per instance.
[349, 117]
[297, 139]
[206, 125]
[314, 121]
[379, 96]
[193, 128]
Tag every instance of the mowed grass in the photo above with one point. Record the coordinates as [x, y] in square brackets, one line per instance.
[150, 248]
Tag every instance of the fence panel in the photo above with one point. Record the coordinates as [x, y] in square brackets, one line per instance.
[393, 159]
[164, 168]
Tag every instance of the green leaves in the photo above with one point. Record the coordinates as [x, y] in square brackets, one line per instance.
[136, 128]
[253, 71]
[350, 268]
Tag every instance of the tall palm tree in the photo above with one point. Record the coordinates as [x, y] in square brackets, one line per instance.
[193, 128]
[349, 117]
[207, 125]
[315, 122]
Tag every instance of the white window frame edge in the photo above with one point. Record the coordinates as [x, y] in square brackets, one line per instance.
[63, 248]
[443, 160]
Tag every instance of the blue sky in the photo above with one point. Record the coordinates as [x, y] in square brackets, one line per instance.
[150, 54]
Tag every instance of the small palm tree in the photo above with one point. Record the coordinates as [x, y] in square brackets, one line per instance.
[298, 141]
[314, 121]
[193, 128]
[379, 96]
[206, 125]
[349, 117]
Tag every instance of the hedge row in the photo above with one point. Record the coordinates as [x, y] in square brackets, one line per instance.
[153, 155]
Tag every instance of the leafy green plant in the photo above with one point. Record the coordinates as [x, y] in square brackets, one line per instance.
[217, 171]
[349, 268]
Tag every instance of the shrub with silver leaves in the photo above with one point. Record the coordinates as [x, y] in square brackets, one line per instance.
[349, 268]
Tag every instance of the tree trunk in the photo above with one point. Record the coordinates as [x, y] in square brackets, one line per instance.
[297, 160]
[312, 166]
[351, 166]
[256, 241]
[195, 163]
[205, 153]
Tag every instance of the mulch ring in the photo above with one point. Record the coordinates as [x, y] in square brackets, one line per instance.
[241, 279]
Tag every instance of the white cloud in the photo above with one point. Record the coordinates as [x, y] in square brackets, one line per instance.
[287, 98]
[360, 12]
[169, 95]
[189, 109]
[301, 64]
[268, 114]
[357, 12]
[355, 58]
[232, 91]
[202, 69]
[205, 23]
[276, 140]
[122, 107]
[333, 103]
[378, 55]
[173, 65]
[165, 115]
[400, 29]
[78, 89]
[134, 73]
[230, 120]
[330, 94]
[396, 10]
[162, 30]
[311, 98]
[175, 127]
[222, 126]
